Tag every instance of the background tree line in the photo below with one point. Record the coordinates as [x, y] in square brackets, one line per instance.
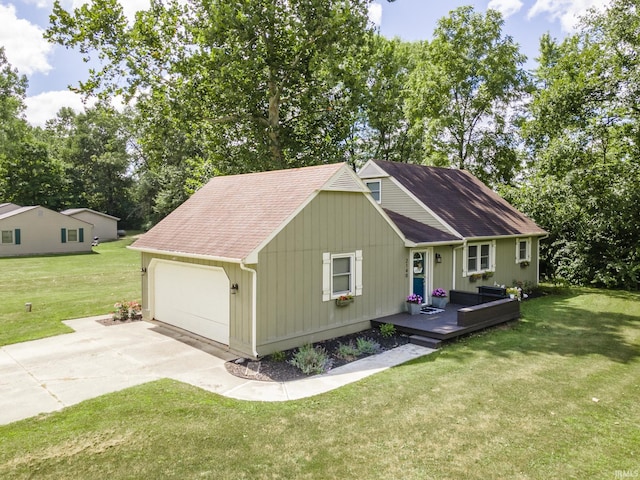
[218, 88]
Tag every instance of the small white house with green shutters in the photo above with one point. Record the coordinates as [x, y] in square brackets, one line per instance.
[37, 230]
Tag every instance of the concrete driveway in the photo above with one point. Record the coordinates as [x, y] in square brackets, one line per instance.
[53, 373]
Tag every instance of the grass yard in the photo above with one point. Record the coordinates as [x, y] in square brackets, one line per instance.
[555, 396]
[61, 287]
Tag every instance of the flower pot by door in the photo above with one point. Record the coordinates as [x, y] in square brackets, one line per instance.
[439, 302]
[414, 308]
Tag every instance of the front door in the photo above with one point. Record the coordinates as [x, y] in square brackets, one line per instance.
[419, 270]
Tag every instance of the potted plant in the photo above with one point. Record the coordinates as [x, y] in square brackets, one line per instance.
[414, 303]
[439, 298]
[344, 300]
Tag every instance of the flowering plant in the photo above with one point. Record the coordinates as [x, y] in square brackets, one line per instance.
[345, 297]
[126, 310]
[439, 292]
[413, 298]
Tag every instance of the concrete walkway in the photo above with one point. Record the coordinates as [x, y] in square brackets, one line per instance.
[50, 374]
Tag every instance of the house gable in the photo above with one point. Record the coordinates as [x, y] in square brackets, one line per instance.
[460, 201]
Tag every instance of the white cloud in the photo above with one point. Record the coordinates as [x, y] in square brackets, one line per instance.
[44, 106]
[568, 12]
[24, 46]
[506, 7]
[375, 13]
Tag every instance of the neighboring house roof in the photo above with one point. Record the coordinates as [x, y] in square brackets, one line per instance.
[74, 211]
[233, 217]
[460, 200]
[418, 232]
[21, 210]
[7, 207]
[17, 211]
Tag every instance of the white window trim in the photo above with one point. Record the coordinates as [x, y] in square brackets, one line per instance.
[379, 182]
[355, 286]
[528, 250]
[492, 258]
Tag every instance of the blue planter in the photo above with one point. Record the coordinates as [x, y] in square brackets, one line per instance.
[414, 308]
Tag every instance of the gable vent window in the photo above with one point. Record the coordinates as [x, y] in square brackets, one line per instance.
[374, 186]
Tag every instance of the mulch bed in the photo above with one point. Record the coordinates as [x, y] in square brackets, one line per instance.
[269, 370]
[112, 321]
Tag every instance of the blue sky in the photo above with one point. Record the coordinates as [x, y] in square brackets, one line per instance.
[50, 69]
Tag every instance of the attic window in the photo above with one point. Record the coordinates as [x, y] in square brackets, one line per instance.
[374, 186]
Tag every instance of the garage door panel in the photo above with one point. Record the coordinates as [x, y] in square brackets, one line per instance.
[192, 297]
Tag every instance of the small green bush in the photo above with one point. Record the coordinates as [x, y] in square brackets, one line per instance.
[311, 360]
[278, 356]
[387, 330]
[347, 351]
[367, 346]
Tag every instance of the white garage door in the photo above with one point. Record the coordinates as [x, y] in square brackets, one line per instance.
[192, 297]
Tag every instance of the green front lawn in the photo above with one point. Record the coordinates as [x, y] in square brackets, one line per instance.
[555, 396]
[61, 287]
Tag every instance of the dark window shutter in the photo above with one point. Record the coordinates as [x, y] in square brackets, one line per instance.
[16, 236]
[63, 235]
[81, 235]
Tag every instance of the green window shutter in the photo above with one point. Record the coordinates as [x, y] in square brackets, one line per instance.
[81, 235]
[16, 236]
[63, 235]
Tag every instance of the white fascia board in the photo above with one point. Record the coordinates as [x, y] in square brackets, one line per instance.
[502, 237]
[184, 254]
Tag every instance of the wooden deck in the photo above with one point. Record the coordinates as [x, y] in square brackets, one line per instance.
[431, 330]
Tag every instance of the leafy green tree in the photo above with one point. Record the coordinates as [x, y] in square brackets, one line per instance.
[92, 148]
[384, 132]
[582, 142]
[462, 95]
[226, 87]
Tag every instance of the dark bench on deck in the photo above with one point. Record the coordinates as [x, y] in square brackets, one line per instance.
[497, 311]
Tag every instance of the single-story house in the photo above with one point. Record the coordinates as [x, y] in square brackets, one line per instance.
[37, 230]
[105, 227]
[460, 233]
[268, 261]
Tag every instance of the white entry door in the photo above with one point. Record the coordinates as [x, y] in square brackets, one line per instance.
[192, 297]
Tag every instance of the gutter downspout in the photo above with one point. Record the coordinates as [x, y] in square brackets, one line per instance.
[254, 289]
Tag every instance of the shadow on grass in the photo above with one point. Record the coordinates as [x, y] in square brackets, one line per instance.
[562, 325]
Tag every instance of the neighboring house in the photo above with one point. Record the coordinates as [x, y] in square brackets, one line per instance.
[37, 230]
[105, 227]
[259, 261]
[460, 233]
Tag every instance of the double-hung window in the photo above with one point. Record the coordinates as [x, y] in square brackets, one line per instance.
[341, 274]
[7, 236]
[523, 250]
[479, 257]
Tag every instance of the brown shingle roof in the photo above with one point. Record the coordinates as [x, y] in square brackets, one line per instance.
[231, 216]
[419, 232]
[461, 200]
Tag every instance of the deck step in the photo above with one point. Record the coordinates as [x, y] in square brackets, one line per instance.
[425, 341]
